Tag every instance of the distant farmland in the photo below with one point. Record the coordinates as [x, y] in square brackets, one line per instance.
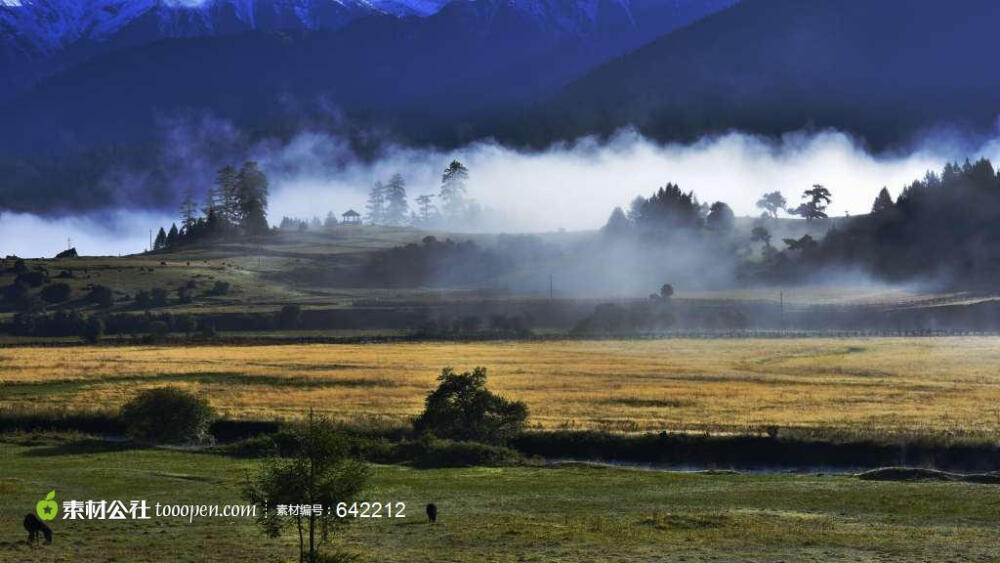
[941, 386]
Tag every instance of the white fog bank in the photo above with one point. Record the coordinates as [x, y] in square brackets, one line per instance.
[570, 186]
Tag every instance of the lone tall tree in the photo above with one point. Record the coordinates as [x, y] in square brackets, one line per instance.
[452, 192]
[771, 203]
[321, 472]
[396, 208]
[188, 211]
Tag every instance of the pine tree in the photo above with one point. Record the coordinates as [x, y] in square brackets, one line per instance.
[376, 204]
[427, 209]
[453, 188]
[213, 202]
[617, 224]
[161, 240]
[173, 236]
[225, 185]
[819, 197]
[188, 210]
[883, 202]
[251, 198]
[395, 197]
[331, 220]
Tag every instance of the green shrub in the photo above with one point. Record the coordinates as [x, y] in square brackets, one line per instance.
[461, 408]
[167, 415]
[101, 296]
[55, 293]
[220, 288]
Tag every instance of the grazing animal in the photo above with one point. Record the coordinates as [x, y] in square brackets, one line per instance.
[432, 512]
[34, 525]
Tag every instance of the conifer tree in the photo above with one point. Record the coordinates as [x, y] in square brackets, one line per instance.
[452, 192]
[396, 208]
[376, 204]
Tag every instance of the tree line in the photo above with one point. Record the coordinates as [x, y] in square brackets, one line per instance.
[944, 227]
[387, 201]
[236, 204]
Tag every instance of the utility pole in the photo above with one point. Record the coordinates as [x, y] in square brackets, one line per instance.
[150, 239]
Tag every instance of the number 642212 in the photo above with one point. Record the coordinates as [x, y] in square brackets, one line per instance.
[371, 510]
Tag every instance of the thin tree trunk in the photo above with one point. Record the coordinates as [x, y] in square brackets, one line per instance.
[302, 549]
[312, 544]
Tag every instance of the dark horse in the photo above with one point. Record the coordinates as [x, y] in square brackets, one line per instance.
[432, 512]
[34, 525]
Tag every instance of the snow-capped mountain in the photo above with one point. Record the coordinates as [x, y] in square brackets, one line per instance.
[44, 27]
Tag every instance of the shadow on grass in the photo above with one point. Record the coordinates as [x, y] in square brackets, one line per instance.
[77, 447]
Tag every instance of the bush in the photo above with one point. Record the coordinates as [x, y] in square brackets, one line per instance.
[55, 293]
[220, 288]
[461, 408]
[101, 296]
[32, 279]
[167, 415]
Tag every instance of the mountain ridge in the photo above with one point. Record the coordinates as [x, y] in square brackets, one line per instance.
[889, 72]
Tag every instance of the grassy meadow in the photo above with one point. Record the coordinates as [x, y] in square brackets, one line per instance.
[942, 386]
[545, 514]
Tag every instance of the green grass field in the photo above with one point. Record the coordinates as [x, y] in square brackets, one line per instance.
[508, 514]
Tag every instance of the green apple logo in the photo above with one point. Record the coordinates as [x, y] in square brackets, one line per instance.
[47, 508]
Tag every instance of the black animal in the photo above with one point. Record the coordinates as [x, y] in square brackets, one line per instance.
[34, 525]
[432, 512]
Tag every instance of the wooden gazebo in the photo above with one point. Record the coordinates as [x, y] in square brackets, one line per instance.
[351, 217]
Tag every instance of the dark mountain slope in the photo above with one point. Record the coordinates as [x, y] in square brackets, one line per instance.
[417, 71]
[886, 70]
[412, 79]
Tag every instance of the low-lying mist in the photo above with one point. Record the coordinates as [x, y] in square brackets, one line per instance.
[571, 186]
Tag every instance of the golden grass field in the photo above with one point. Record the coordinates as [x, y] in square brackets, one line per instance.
[932, 385]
